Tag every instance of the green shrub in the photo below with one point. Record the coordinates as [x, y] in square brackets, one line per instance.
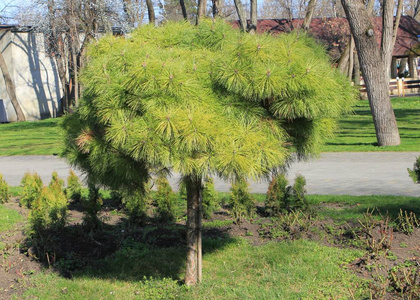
[415, 172]
[4, 190]
[165, 200]
[136, 204]
[241, 202]
[74, 187]
[278, 195]
[210, 199]
[92, 205]
[282, 198]
[31, 189]
[49, 210]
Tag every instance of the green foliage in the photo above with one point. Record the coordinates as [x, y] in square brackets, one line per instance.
[74, 187]
[4, 190]
[32, 186]
[56, 181]
[136, 204]
[92, 205]
[242, 203]
[210, 199]
[415, 172]
[165, 200]
[283, 198]
[201, 99]
[8, 218]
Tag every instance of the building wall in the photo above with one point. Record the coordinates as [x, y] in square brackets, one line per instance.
[34, 73]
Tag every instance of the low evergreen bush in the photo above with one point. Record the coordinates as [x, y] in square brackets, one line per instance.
[283, 198]
[241, 202]
[165, 200]
[210, 199]
[4, 190]
[31, 189]
[74, 187]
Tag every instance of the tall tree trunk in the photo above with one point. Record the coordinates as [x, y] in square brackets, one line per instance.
[151, 12]
[217, 8]
[374, 72]
[241, 15]
[351, 60]
[194, 240]
[309, 13]
[356, 72]
[11, 89]
[183, 9]
[201, 10]
[254, 21]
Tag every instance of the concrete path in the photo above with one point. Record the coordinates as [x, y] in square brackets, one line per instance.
[371, 173]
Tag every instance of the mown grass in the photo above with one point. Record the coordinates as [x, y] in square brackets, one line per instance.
[232, 267]
[352, 208]
[357, 132]
[8, 217]
[31, 138]
[237, 270]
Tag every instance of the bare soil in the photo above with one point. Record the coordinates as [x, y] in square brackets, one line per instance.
[385, 249]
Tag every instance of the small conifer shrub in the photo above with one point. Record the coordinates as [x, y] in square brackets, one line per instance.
[4, 190]
[74, 187]
[136, 204]
[92, 205]
[210, 199]
[165, 200]
[283, 198]
[242, 204]
[31, 189]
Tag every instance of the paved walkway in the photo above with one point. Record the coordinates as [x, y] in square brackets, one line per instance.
[371, 173]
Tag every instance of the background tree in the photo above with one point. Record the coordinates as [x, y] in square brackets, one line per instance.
[200, 101]
[375, 64]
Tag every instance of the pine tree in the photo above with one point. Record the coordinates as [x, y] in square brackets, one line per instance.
[201, 100]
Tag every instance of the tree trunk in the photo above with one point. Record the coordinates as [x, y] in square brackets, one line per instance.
[356, 72]
[183, 9]
[351, 60]
[241, 15]
[194, 218]
[151, 12]
[201, 10]
[254, 21]
[375, 75]
[309, 13]
[217, 8]
[11, 89]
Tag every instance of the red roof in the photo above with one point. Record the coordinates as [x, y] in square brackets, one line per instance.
[334, 33]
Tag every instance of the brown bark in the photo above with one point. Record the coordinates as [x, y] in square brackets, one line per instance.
[201, 10]
[344, 59]
[241, 15]
[11, 89]
[151, 12]
[356, 72]
[309, 13]
[193, 273]
[254, 21]
[374, 71]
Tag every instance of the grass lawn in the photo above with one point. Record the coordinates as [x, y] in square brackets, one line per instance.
[31, 138]
[8, 217]
[232, 267]
[356, 132]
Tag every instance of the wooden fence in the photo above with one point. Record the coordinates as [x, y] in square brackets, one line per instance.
[400, 87]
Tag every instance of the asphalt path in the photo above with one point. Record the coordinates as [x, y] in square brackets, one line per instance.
[344, 173]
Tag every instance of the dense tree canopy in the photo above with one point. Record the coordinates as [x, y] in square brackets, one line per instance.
[201, 100]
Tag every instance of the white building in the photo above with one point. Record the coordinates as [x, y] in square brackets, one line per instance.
[34, 73]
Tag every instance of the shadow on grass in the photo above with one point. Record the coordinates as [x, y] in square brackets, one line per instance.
[126, 252]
